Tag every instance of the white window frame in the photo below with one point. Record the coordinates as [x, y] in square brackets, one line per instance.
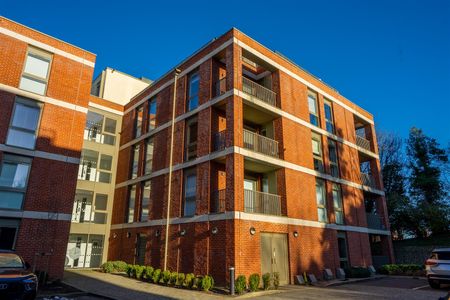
[43, 55]
[15, 159]
[315, 113]
[317, 156]
[320, 182]
[338, 203]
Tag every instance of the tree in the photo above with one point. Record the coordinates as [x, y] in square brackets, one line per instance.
[426, 185]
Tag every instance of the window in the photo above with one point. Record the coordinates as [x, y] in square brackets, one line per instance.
[329, 116]
[321, 201]
[333, 158]
[317, 152]
[313, 110]
[101, 201]
[14, 172]
[342, 247]
[105, 165]
[8, 233]
[193, 87]
[191, 139]
[35, 73]
[131, 202]
[190, 192]
[135, 164]
[152, 114]
[149, 156]
[100, 129]
[138, 124]
[146, 189]
[90, 169]
[337, 203]
[84, 210]
[23, 128]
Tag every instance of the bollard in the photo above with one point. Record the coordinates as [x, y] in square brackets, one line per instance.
[231, 281]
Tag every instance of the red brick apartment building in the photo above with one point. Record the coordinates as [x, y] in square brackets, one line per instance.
[273, 170]
[45, 88]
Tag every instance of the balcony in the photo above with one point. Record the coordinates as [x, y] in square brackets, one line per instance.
[368, 180]
[363, 142]
[256, 90]
[218, 201]
[262, 203]
[219, 141]
[261, 144]
[375, 221]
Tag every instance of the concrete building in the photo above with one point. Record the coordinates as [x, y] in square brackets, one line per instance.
[92, 208]
[272, 170]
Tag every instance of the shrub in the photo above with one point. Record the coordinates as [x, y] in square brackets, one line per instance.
[148, 272]
[139, 271]
[165, 277]
[357, 272]
[130, 269]
[253, 282]
[196, 282]
[107, 267]
[266, 281]
[119, 266]
[189, 280]
[156, 275]
[180, 279]
[276, 280]
[173, 278]
[401, 269]
[240, 284]
[207, 283]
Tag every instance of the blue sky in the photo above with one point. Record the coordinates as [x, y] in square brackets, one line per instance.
[390, 57]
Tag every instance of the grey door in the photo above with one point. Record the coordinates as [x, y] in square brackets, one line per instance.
[274, 255]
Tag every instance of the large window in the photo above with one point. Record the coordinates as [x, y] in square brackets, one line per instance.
[36, 71]
[85, 210]
[8, 233]
[152, 114]
[317, 152]
[135, 162]
[149, 156]
[14, 172]
[24, 124]
[100, 129]
[93, 169]
[131, 202]
[328, 109]
[313, 108]
[333, 158]
[146, 190]
[191, 138]
[190, 192]
[321, 201]
[337, 203]
[138, 121]
[193, 87]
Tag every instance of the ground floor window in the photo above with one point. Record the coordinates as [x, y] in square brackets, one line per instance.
[84, 251]
[342, 247]
[8, 233]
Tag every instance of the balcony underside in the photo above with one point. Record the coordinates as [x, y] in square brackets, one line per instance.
[257, 114]
[252, 164]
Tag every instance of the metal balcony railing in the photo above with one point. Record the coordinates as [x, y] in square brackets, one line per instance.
[259, 143]
[362, 142]
[262, 203]
[259, 91]
[218, 201]
[219, 141]
[374, 221]
[368, 180]
[221, 86]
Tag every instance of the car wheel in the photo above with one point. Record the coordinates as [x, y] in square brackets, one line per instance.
[434, 284]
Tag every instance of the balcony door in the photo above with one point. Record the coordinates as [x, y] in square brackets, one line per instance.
[274, 255]
[250, 188]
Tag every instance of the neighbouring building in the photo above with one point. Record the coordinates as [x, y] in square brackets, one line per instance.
[272, 170]
[45, 86]
[92, 208]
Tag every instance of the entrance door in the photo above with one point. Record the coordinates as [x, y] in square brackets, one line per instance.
[274, 255]
[140, 249]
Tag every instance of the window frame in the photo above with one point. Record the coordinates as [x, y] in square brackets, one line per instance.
[316, 114]
[133, 156]
[190, 154]
[188, 173]
[320, 182]
[40, 54]
[328, 103]
[149, 169]
[317, 157]
[136, 121]
[130, 208]
[333, 164]
[154, 101]
[16, 159]
[141, 210]
[29, 103]
[340, 208]
[102, 133]
[189, 89]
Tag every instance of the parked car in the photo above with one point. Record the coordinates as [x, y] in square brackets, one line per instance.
[16, 279]
[438, 267]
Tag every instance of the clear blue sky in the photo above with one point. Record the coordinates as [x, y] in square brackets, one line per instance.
[390, 57]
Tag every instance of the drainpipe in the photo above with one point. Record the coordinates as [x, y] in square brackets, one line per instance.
[169, 188]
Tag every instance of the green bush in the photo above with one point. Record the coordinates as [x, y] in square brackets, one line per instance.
[253, 282]
[130, 269]
[114, 266]
[401, 269]
[357, 272]
[173, 278]
[266, 281]
[165, 277]
[196, 282]
[107, 267]
[207, 283]
[180, 279]
[139, 271]
[276, 280]
[148, 272]
[240, 284]
[156, 275]
[189, 280]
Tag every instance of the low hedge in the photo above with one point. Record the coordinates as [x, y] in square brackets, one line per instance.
[402, 269]
[114, 266]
